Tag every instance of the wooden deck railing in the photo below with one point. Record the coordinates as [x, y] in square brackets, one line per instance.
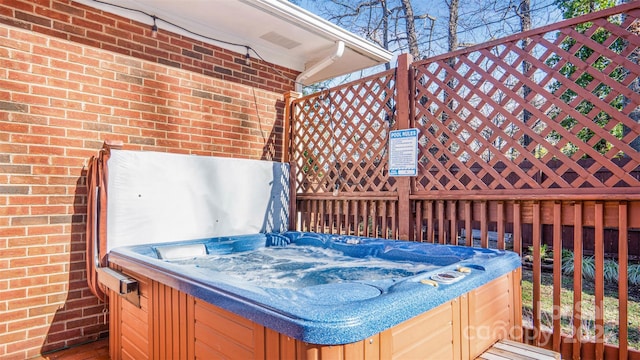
[518, 147]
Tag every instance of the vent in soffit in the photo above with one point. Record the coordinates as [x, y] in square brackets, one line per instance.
[280, 40]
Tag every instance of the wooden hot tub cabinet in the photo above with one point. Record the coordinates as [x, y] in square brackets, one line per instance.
[170, 324]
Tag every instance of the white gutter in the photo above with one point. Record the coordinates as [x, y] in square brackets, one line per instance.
[320, 65]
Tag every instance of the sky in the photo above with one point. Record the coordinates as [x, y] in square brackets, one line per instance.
[479, 20]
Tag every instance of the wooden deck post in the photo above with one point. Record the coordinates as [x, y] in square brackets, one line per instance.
[287, 125]
[287, 131]
[403, 106]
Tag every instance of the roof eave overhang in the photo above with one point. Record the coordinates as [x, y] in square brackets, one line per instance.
[318, 36]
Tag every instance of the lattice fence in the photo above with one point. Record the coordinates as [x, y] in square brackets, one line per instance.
[556, 110]
[340, 137]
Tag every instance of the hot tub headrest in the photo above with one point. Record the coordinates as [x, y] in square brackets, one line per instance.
[180, 251]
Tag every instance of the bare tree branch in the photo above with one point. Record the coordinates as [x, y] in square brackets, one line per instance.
[420, 28]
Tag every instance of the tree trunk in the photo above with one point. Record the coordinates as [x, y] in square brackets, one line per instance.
[385, 28]
[453, 25]
[524, 12]
[453, 45]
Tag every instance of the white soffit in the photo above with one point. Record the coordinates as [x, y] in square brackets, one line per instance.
[281, 32]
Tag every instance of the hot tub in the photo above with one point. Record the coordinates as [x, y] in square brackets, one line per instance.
[328, 289]
[245, 287]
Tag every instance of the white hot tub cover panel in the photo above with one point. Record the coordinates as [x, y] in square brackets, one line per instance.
[161, 197]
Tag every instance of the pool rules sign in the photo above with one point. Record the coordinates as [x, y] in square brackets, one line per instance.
[403, 152]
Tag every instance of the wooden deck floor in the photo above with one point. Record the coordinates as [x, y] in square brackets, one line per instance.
[98, 350]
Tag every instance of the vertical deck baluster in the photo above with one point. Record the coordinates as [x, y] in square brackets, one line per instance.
[430, 229]
[293, 210]
[394, 221]
[327, 217]
[301, 214]
[501, 224]
[316, 218]
[303, 207]
[557, 273]
[517, 228]
[365, 217]
[537, 271]
[454, 222]
[337, 219]
[314, 211]
[331, 212]
[375, 212]
[362, 225]
[337, 205]
[322, 213]
[441, 230]
[484, 225]
[366, 214]
[467, 223]
[418, 233]
[577, 279]
[364, 211]
[599, 279]
[344, 216]
[424, 222]
[340, 216]
[623, 290]
[386, 220]
[383, 219]
[311, 213]
[347, 217]
[378, 223]
[355, 210]
[357, 214]
[412, 215]
[320, 216]
[371, 221]
[346, 210]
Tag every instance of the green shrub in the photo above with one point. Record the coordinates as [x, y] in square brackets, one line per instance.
[544, 251]
[567, 262]
[634, 274]
[610, 271]
[589, 269]
[588, 266]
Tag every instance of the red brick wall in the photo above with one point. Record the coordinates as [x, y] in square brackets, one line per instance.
[70, 78]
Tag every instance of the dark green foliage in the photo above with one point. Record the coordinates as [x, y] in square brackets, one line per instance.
[573, 8]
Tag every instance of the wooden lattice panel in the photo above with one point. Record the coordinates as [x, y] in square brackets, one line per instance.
[562, 113]
[340, 137]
